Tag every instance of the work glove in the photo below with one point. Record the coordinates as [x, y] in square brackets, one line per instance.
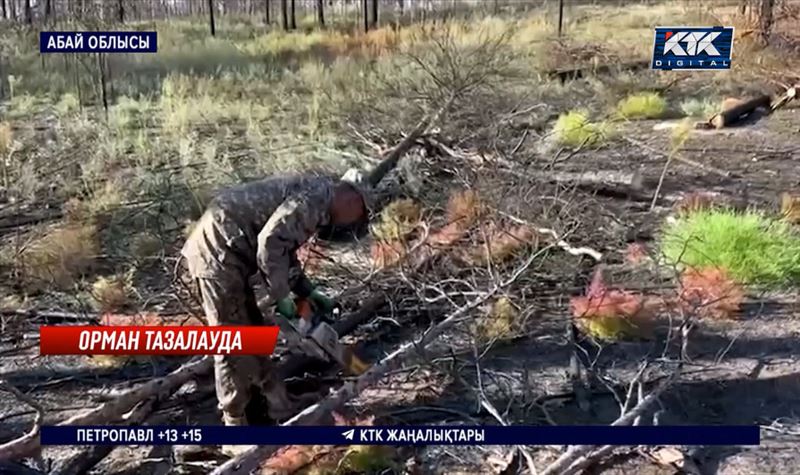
[325, 303]
[287, 308]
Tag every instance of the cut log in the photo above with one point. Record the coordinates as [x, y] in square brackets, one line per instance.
[736, 111]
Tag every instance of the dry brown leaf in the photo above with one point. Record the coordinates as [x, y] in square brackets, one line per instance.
[711, 292]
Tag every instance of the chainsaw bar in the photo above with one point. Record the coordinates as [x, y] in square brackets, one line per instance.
[319, 341]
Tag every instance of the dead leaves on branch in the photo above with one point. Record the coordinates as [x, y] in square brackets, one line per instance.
[494, 242]
[610, 314]
[710, 292]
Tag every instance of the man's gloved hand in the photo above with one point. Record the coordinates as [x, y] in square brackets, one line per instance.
[287, 308]
[324, 302]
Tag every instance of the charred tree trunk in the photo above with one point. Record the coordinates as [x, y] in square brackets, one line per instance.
[321, 13]
[211, 17]
[374, 13]
[28, 12]
[285, 15]
[48, 10]
[366, 15]
[120, 11]
[3, 9]
[765, 20]
[266, 11]
[293, 17]
[103, 94]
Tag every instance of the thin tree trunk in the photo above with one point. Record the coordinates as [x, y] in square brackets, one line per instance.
[285, 14]
[294, 18]
[103, 94]
[3, 9]
[48, 10]
[321, 13]
[560, 16]
[765, 20]
[211, 17]
[374, 13]
[366, 15]
[13, 9]
[266, 11]
[120, 11]
[28, 12]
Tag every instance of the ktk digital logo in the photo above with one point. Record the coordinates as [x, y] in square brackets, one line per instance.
[692, 47]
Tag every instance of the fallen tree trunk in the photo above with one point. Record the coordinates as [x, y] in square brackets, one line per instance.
[566, 74]
[18, 448]
[250, 460]
[85, 460]
[604, 178]
[113, 410]
[741, 111]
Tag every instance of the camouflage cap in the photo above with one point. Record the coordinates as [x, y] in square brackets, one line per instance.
[358, 181]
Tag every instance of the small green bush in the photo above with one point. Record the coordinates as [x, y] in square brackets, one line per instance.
[754, 248]
[704, 108]
[575, 129]
[646, 105]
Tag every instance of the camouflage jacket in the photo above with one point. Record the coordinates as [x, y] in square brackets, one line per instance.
[259, 226]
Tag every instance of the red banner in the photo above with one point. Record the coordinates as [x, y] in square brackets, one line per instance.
[157, 340]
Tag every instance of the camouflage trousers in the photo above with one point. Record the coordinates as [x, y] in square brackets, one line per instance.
[246, 385]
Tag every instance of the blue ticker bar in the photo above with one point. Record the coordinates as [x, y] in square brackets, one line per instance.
[401, 435]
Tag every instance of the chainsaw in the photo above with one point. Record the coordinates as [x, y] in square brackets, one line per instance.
[312, 333]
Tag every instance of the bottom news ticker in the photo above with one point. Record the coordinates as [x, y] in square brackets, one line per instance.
[405, 435]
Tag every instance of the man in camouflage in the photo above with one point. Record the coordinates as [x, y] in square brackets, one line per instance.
[256, 228]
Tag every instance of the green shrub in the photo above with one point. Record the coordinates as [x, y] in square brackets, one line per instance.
[575, 129]
[704, 108]
[646, 105]
[751, 246]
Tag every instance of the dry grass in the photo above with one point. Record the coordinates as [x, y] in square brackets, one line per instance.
[59, 257]
[6, 138]
[386, 253]
[790, 207]
[112, 293]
